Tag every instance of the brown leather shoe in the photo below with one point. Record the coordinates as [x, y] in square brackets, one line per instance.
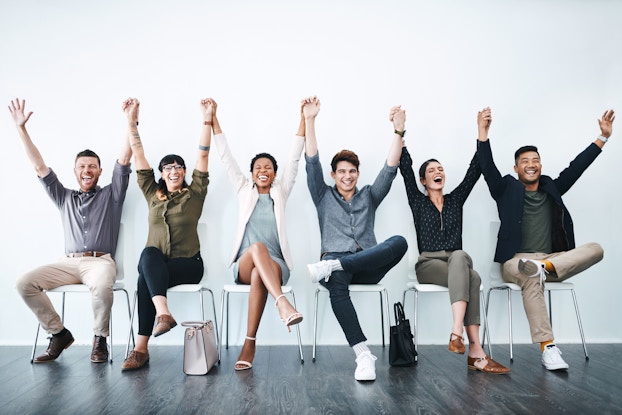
[486, 364]
[456, 345]
[164, 324]
[135, 360]
[55, 348]
[99, 354]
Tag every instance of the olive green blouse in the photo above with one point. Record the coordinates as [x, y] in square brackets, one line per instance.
[173, 217]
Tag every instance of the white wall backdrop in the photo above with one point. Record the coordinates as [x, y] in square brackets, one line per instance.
[548, 69]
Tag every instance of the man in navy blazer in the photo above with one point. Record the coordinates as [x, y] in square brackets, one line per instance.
[536, 238]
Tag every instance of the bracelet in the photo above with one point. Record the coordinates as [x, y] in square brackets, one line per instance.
[601, 138]
[204, 148]
[400, 133]
[207, 123]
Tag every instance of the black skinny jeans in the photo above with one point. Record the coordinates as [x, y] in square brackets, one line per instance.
[368, 266]
[156, 274]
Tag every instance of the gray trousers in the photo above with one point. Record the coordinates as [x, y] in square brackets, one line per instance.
[454, 270]
[566, 263]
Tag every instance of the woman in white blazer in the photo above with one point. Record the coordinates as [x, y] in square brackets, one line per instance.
[261, 256]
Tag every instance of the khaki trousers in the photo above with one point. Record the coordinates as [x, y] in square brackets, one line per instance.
[454, 270]
[567, 264]
[97, 273]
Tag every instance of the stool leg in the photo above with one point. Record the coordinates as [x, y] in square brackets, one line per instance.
[129, 314]
[302, 359]
[576, 309]
[222, 317]
[510, 325]
[130, 335]
[34, 346]
[215, 321]
[486, 329]
[317, 290]
[416, 321]
[386, 302]
[110, 332]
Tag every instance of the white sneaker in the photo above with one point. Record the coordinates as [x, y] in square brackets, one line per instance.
[365, 367]
[552, 358]
[319, 270]
[533, 268]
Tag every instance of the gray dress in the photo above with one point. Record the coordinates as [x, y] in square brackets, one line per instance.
[261, 227]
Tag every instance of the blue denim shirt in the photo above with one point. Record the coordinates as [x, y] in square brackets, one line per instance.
[347, 226]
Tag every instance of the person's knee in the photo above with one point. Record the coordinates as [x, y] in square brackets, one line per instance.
[150, 258]
[258, 248]
[338, 285]
[399, 244]
[25, 284]
[150, 253]
[459, 254]
[597, 250]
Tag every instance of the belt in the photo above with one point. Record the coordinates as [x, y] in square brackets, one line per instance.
[86, 253]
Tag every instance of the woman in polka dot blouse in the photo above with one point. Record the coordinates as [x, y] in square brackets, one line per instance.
[438, 222]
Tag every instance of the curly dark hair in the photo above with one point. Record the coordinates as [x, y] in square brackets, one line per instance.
[264, 156]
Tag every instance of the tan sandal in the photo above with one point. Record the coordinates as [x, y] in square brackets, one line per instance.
[486, 364]
[456, 345]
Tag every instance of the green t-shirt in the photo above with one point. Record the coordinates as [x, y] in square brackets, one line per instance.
[536, 224]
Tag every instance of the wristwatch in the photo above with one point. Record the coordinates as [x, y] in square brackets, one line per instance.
[400, 133]
[600, 137]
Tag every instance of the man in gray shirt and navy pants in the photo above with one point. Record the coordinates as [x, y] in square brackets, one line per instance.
[350, 254]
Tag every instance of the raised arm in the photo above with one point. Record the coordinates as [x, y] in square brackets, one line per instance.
[17, 109]
[484, 119]
[398, 117]
[310, 109]
[208, 109]
[130, 107]
[606, 127]
[484, 154]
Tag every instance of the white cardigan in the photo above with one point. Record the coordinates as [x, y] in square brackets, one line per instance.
[248, 195]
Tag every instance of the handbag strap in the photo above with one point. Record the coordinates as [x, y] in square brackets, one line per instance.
[398, 310]
[194, 324]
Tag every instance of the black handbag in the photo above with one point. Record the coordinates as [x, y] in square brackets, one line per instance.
[401, 348]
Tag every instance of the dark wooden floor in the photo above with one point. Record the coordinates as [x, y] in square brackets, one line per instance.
[439, 384]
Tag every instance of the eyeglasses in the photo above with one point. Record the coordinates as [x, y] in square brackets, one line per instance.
[170, 168]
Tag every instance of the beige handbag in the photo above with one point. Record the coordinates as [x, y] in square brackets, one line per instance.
[200, 349]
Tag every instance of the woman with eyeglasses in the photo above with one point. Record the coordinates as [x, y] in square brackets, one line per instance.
[260, 256]
[172, 254]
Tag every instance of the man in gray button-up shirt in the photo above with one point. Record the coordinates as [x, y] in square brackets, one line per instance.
[91, 218]
[350, 254]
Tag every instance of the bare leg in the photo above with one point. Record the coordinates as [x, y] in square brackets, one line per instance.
[257, 269]
[458, 310]
[257, 257]
[256, 304]
[142, 344]
[475, 347]
[161, 305]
